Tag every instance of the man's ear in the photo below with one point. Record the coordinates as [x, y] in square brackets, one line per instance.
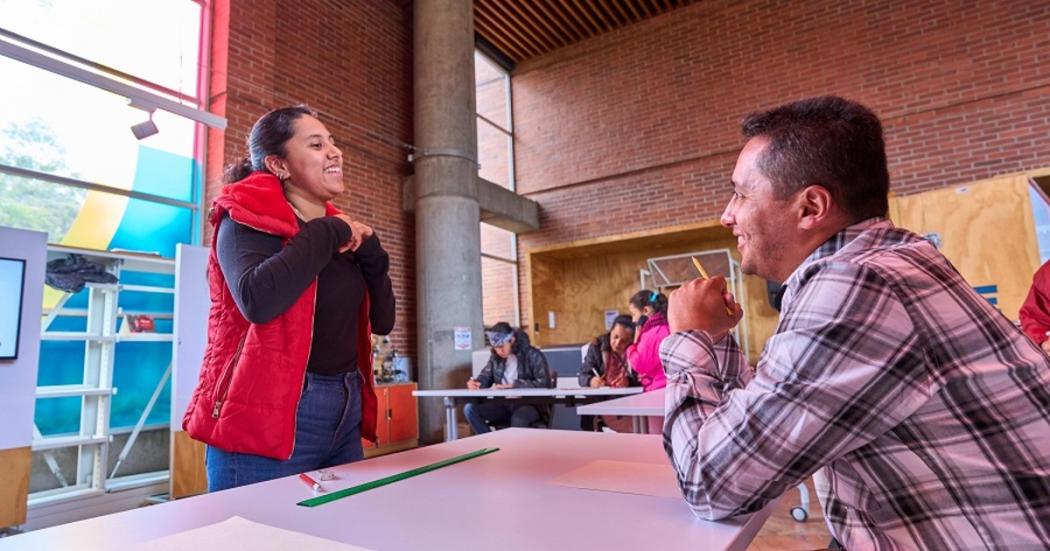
[276, 165]
[815, 206]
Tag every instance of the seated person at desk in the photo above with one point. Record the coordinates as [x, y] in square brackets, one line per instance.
[514, 363]
[922, 410]
[606, 362]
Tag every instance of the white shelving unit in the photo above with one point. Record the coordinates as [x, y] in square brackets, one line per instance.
[96, 390]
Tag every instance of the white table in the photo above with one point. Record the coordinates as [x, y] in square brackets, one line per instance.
[638, 407]
[567, 396]
[462, 506]
[651, 404]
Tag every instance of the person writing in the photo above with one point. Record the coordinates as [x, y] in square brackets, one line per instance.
[606, 362]
[513, 363]
[296, 289]
[921, 410]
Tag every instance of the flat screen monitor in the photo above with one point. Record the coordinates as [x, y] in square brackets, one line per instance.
[12, 280]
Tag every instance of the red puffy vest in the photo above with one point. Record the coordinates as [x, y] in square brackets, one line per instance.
[252, 375]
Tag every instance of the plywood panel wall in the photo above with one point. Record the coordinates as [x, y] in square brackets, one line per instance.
[987, 231]
[580, 288]
[188, 475]
[14, 485]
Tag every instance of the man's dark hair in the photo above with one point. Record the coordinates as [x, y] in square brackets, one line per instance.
[828, 141]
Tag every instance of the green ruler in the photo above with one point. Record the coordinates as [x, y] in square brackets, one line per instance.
[326, 498]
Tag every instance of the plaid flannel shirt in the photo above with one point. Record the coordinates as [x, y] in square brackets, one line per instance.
[923, 411]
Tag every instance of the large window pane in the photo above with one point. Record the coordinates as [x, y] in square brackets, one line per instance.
[490, 89]
[497, 291]
[156, 40]
[497, 242]
[494, 154]
[60, 126]
[92, 219]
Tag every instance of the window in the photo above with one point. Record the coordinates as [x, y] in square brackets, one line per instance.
[499, 262]
[71, 166]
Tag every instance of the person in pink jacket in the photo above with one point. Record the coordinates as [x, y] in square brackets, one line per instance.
[1035, 312]
[649, 311]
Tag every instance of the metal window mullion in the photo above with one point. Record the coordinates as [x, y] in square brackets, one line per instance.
[101, 188]
[491, 256]
[492, 124]
[514, 272]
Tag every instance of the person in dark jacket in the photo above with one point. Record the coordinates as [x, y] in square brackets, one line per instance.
[514, 363]
[606, 362]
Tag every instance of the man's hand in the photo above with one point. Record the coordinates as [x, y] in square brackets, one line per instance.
[703, 304]
[1046, 346]
[503, 386]
[473, 385]
[597, 382]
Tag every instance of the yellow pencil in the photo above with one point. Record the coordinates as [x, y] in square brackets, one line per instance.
[699, 268]
[703, 274]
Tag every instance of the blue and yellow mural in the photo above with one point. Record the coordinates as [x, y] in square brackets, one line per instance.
[107, 221]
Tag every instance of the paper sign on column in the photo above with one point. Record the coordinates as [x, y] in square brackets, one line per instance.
[461, 338]
[239, 533]
[623, 477]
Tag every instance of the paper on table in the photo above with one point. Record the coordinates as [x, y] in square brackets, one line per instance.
[649, 479]
[239, 533]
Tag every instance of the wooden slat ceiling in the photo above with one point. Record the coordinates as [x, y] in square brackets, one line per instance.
[522, 29]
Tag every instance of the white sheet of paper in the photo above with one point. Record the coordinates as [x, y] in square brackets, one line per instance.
[648, 479]
[237, 533]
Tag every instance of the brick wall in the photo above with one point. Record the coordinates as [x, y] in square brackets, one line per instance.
[638, 128]
[351, 61]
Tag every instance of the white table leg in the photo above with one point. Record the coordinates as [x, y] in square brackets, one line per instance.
[639, 425]
[451, 432]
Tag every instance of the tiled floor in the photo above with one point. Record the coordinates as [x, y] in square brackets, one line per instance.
[783, 533]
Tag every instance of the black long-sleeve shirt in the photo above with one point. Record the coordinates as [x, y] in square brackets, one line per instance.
[266, 278]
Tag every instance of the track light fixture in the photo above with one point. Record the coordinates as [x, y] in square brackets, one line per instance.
[145, 128]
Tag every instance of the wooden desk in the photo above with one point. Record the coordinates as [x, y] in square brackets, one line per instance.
[638, 407]
[463, 506]
[568, 396]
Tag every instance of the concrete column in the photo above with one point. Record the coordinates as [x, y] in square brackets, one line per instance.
[448, 233]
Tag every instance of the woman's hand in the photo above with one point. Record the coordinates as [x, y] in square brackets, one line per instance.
[359, 232]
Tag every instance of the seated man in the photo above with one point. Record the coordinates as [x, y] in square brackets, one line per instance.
[514, 363]
[923, 411]
[606, 364]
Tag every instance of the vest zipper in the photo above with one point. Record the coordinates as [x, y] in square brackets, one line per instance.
[223, 386]
[309, 349]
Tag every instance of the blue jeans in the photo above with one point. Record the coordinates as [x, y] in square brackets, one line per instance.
[327, 433]
[499, 413]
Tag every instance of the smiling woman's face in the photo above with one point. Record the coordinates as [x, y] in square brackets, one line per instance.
[313, 162]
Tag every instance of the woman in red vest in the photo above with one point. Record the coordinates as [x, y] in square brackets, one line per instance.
[296, 289]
